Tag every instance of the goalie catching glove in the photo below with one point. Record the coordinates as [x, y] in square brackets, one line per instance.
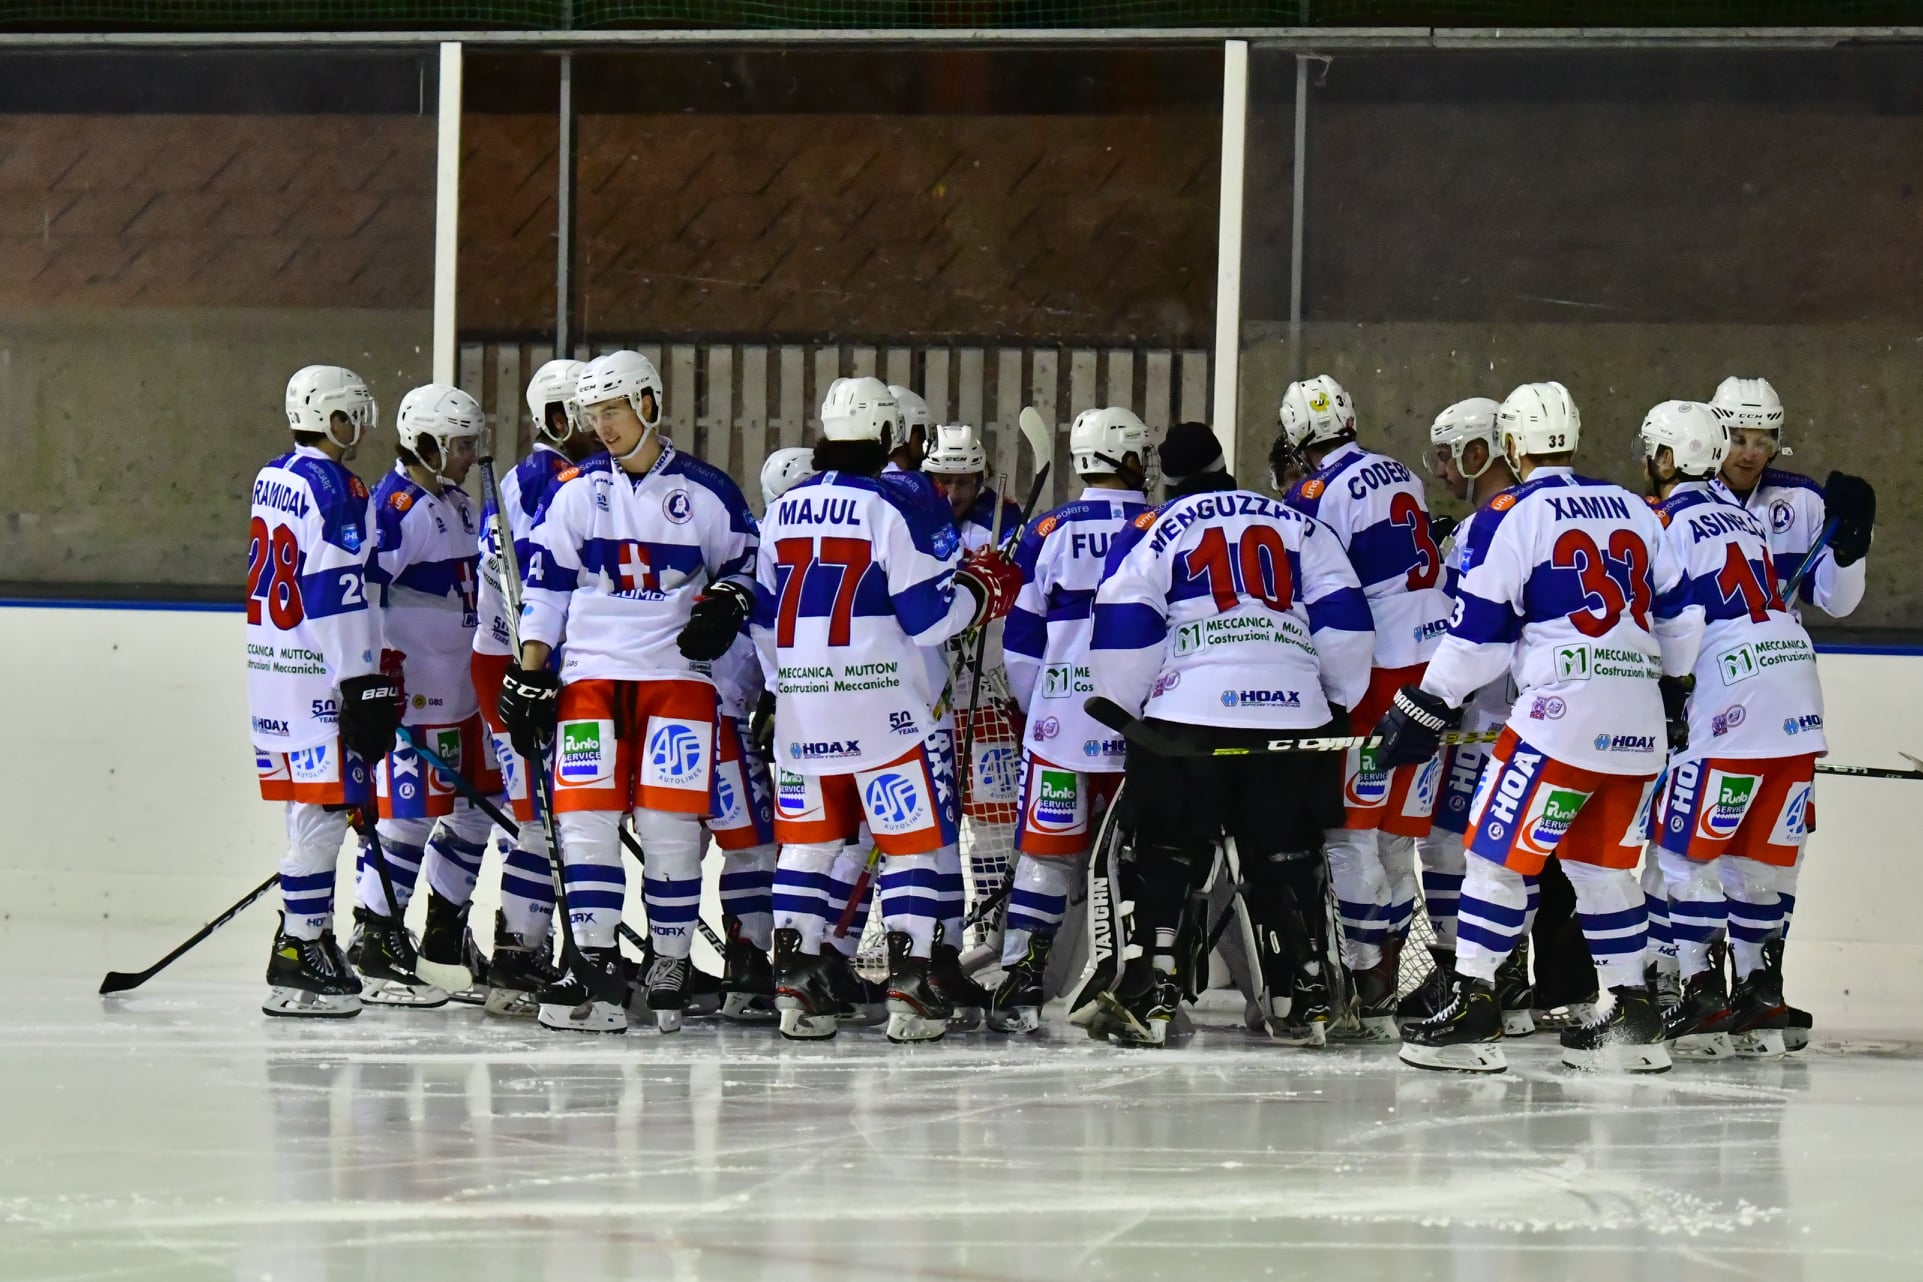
[1413, 727]
[370, 713]
[715, 621]
[529, 706]
[993, 580]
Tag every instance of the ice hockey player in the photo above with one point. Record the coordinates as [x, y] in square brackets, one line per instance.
[957, 465]
[1796, 511]
[637, 571]
[1376, 508]
[520, 965]
[1065, 785]
[911, 442]
[1467, 457]
[1571, 585]
[426, 559]
[320, 704]
[1738, 805]
[1223, 609]
[852, 577]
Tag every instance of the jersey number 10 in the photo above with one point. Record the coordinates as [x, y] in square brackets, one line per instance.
[1259, 568]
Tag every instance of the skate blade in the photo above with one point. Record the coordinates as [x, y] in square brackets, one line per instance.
[1621, 1058]
[1016, 1019]
[702, 1006]
[799, 1026]
[1119, 1024]
[591, 1017]
[1759, 1043]
[866, 1015]
[301, 1004]
[1312, 1036]
[1375, 1029]
[748, 1008]
[510, 1003]
[667, 1020]
[905, 1026]
[1463, 1057]
[1795, 1039]
[472, 995]
[966, 1019]
[1518, 1023]
[392, 992]
[450, 979]
[1702, 1046]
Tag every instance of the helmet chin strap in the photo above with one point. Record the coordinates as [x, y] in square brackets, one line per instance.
[347, 448]
[647, 431]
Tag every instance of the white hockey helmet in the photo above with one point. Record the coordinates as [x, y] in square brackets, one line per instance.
[1697, 436]
[1749, 403]
[1460, 424]
[1316, 410]
[317, 392]
[621, 376]
[1538, 418]
[956, 450]
[914, 411]
[1098, 440]
[554, 383]
[785, 469]
[860, 409]
[441, 414]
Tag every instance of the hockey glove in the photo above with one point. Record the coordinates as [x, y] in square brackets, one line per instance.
[370, 713]
[715, 621]
[1676, 709]
[761, 725]
[1851, 502]
[1412, 728]
[529, 705]
[994, 582]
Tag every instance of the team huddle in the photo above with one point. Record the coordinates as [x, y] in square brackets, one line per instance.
[614, 660]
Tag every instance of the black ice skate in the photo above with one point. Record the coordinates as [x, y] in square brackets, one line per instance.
[309, 977]
[1145, 1020]
[917, 1010]
[1796, 1021]
[1432, 994]
[662, 991]
[1757, 1014]
[442, 960]
[857, 1001]
[803, 996]
[956, 985]
[1016, 1006]
[518, 970]
[747, 979]
[1465, 1036]
[590, 997]
[1664, 979]
[1373, 1016]
[1311, 1010]
[1514, 993]
[384, 954]
[1697, 1027]
[1625, 1038]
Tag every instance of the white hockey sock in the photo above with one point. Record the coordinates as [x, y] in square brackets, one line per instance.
[850, 860]
[1758, 898]
[1610, 906]
[1037, 899]
[1398, 856]
[1443, 863]
[747, 892]
[314, 837]
[802, 880]
[911, 898]
[1361, 893]
[1660, 952]
[404, 844]
[455, 851]
[671, 886]
[527, 886]
[1697, 909]
[592, 872]
[1494, 903]
[949, 892]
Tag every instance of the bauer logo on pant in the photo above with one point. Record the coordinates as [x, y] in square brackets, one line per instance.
[585, 755]
[896, 804]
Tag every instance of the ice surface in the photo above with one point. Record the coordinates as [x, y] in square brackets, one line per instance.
[178, 1134]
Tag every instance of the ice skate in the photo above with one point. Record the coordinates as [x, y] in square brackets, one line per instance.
[1146, 1021]
[1757, 1015]
[803, 997]
[1016, 1006]
[747, 979]
[1626, 1038]
[968, 998]
[1373, 1016]
[589, 997]
[1432, 994]
[663, 992]
[1465, 1036]
[1515, 994]
[442, 959]
[1796, 1021]
[1697, 1027]
[310, 978]
[384, 955]
[854, 1000]
[1664, 980]
[518, 970]
[917, 1010]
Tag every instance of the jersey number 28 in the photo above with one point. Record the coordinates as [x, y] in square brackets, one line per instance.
[273, 575]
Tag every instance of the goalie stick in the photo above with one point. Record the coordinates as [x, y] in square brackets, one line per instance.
[1167, 740]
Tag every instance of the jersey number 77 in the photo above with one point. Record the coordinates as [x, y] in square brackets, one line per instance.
[812, 582]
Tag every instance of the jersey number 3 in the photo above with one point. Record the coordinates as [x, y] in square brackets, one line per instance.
[1260, 568]
[1614, 583]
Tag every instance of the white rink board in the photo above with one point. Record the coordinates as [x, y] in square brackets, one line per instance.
[126, 771]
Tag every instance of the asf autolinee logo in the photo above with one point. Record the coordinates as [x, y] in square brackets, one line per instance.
[675, 752]
[894, 802]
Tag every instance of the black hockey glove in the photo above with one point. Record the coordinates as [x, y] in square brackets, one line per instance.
[370, 713]
[761, 725]
[529, 705]
[715, 621]
[1441, 526]
[1676, 692]
[1412, 728]
[1851, 502]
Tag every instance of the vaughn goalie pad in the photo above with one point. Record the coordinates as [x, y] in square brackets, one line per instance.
[1102, 918]
[1234, 930]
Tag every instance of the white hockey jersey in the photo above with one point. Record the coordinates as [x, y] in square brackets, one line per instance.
[1757, 693]
[853, 576]
[1376, 507]
[309, 623]
[1488, 707]
[1229, 609]
[1571, 585]
[523, 489]
[427, 559]
[1061, 557]
[977, 525]
[1790, 505]
[615, 562]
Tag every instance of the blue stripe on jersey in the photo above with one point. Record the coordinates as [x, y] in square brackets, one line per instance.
[603, 556]
[1127, 537]
[1127, 625]
[1481, 621]
[437, 578]
[931, 522]
[1069, 605]
[339, 495]
[1383, 551]
[1553, 592]
[1302, 502]
[1025, 633]
[1345, 610]
[922, 605]
[341, 590]
[543, 572]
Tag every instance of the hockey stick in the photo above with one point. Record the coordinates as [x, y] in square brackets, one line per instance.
[1874, 772]
[120, 981]
[854, 896]
[1809, 560]
[1205, 741]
